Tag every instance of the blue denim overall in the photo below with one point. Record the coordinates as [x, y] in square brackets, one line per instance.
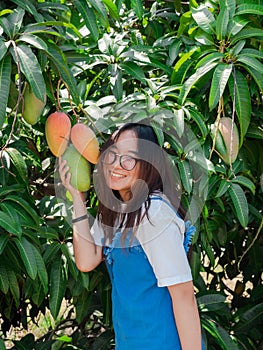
[142, 312]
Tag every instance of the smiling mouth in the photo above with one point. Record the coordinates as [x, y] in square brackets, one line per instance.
[117, 175]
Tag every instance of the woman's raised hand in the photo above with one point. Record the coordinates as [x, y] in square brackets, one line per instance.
[65, 177]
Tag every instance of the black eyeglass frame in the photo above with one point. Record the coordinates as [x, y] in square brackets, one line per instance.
[121, 157]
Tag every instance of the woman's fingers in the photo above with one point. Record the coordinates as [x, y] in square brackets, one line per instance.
[64, 172]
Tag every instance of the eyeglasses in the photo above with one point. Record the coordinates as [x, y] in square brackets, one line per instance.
[126, 162]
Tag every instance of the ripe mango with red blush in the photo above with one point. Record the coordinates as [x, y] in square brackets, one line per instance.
[85, 141]
[57, 130]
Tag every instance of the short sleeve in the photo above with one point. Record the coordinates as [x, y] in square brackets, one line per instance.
[162, 236]
[97, 233]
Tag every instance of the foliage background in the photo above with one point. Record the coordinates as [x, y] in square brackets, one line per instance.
[184, 65]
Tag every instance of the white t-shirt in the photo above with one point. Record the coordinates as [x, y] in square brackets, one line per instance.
[161, 238]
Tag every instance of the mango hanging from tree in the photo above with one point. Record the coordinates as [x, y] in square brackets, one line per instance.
[79, 168]
[85, 141]
[227, 140]
[33, 107]
[57, 129]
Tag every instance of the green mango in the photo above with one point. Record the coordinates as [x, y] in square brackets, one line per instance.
[33, 107]
[79, 168]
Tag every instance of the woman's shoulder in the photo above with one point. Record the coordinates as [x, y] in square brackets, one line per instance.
[161, 211]
[159, 200]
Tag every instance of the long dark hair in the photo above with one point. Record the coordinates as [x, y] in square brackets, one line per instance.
[155, 176]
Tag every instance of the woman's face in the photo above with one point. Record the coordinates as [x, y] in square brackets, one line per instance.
[121, 169]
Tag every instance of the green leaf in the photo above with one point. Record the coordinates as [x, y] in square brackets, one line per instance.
[85, 277]
[34, 41]
[5, 77]
[257, 77]
[29, 7]
[247, 52]
[25, 206]
[239, 201]
[219, 82]
[242, 180]
[174, 50]
[255, 132]
[70, 262]
[51, 252]
[4, 280]
[250, 318]
[3, 48]
[8, 224]
[185, 20]
[247, 33]
[199, 120]
[41, 268]
[222, 23]
[251, 62]
[157, 64]
[116, 81]
[180, 71]
[46, 6]
[88, 16]
[31, 69]
[133, 69]
[101, 14]
[13, 286]
[178, 5]
[12, 23]
[58, 59]
[236, 25]
[200, 72]
[209, 58]
[4, 238]
[18, 162]
[137, 6]
[224, 186]
[211, 302]
[245, 9]
[219, 334]
[27, 254]
[62, 24]
[204, 18]
[204, 38]
[195, 264]
[185, 175]
[2, 345]
[235, 50]
[82, 304]
[240, 88]
[57, 287]
[113, 10]
[179, 121]
[230, 5]
[184, 57]
[41, 28]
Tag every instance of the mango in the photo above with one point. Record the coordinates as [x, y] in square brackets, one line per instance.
[57, 130]
[79, 168]
[85, 141]
[33, 107]
[223, 140]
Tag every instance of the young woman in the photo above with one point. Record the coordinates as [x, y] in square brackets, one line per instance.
[139, 233]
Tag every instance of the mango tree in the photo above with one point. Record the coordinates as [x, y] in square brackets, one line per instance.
[192, 69]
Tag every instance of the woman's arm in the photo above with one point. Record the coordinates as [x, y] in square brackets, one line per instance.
[186, 315]
[87, 254]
